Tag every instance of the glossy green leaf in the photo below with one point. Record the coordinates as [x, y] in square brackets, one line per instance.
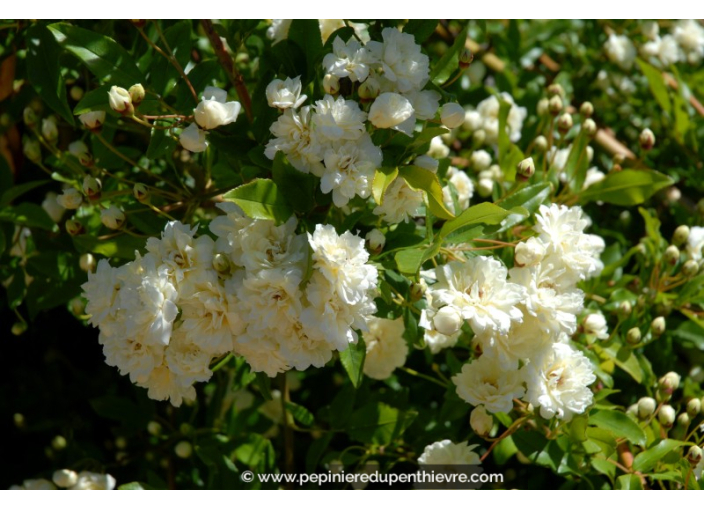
[300, 414]
[485, 213]
[27, 215]
[619, 424]
[628, 187]
[422, 179]
[449, 62]
[352, 360]
[383, 177]
[261, 199]
[657, 85]
[648, 459]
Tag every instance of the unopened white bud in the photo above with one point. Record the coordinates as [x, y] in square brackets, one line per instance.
[154, 428]
[564, 123]
[49, 130]
[93, 120]
[183, 449]
[480, 421]
[137, 94]
[80, 151]
[525, 169]
[447, 321]
[369, 90]
[18, 328]
[331, 84]
[485, 187]
[694, 407]
[694, 455]
[669, 382]
[71, 198]
[221, 263]
[666, 416]
[543, 107]
[417, 290]
[633, 336]
[87, 262]
[76, 93]
[690, 268]
[646, 407]
[32, 150]
[120, 100]
[375, 240]
[587, 109]
[452, 115]
[74, 227]
[555, 105]
[29, 116]
[140, 192]
[658, 326]
[541, 143]
[646, 139]
[65, 478]
[112, 217]
[589, 127]
[529, 252]
[672, 255]
[681, 235]
[92, 187]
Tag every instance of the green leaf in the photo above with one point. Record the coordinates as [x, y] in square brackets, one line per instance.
[43, 70]
[531, 197]
[20, 190]
[163, 75]
[379, 423]
[300, 414]
[409, 261]
[122, 246]
[628, 483]
[264, 385]
[300, 188]
[422, 179]
[27, 215]
[94, 100]
[426, 136]
[261, 199]
[161, 143]
[105, 58]
[509, 153]
[657, 85]
[421, 29]
[383, 178]
[352, 360]
[647, 460]
[484, 213]
[449, 62]
[624, 357]
[577, 162]
[306, 33]
[619, 424]
[628, 187]
[16, 288]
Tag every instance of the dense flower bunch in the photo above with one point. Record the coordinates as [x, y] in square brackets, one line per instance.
[253, 292]
[522, 317]
[68, 479]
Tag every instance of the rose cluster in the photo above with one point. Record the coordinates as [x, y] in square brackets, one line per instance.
[279, 299]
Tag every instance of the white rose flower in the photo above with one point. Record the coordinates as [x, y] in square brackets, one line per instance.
[349, 60]
[65, 478]
[88, 481]
[480, 160]
[214, 110]
[349, 169]
[338, 119]
[38, 484]
[52, 206]
[401, 202]
[558, 382]
[81, 152]
[436, 341]
[386, 347]
[487, 382]
[283, 94]
[479, 291]
[425, 103]
[695, 243]
[112, 217]
[394, 111]
[296, 138]
[452, 115]
[403, 63]
[463, 187]
[193, 138]
[448, 453]
[530, 252]
[620, 51]
[71, 198]
[689, 34]
[376, 240]
[438, 149]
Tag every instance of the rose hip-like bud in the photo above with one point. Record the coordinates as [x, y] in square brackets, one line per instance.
[672, 255]
[49, 130]
[481, 421]
[93, 120]
[525, 169]
[369, 90]
[140, 192]
[120, 100]
[32, 150]
[681, 235]
[87, 262]
[80, 151]
[112, 217]
[478, 138]
[666, 416]
[633, 336]
[646, 139]
[694, 407]
[466, 58]
[646, 407]
[587, 109]
[564, 123]
[74, 227]
[331, 84]
[92, 187]
[375, 240]
[417, 290]
[183, 449]
[137, 94]
[589, 127]
[683, 420]
[625, 308]
[29, 117]
[669, 382]
[541, 143]
[555, 89]
[694, 455]
[690, 268]
[65, 478]
[555, 105]
[543, 107]
[658, 326]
